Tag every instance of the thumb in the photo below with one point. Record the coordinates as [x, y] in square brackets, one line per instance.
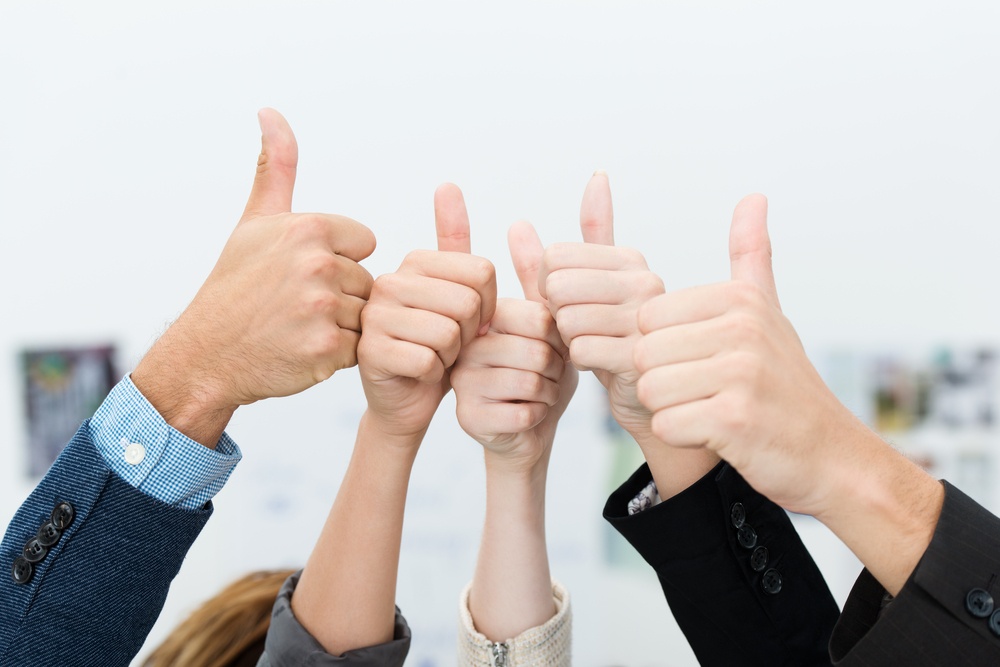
[275, 179]
[451, 219]
[596, 215]
[750, 246]
[526, 254]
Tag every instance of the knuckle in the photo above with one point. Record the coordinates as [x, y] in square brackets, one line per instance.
[650, 284]
[482, 270]
[468, 304]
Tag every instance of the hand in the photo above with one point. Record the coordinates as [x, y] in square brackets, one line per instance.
[594, 291]
[279, 313]
[722, 368]
[513, 384]
[419, 318]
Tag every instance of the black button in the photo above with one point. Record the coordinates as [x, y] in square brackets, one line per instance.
[34, 552]
[979, 603]
[738, 515]
[995, 623]
[758, 560]
[22, 571]
[771, 582]
[63, 515]
[747, 536]
[48, 534]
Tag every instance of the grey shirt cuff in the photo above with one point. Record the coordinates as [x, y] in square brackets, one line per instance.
[288, 644]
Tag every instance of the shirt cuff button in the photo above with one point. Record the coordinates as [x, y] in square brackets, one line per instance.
[134, 453]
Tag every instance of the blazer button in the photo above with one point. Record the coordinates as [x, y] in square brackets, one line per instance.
[995, 623]
[34, 552]
[747, 536]
[771, 582]
[979, 603]
[48, 534]
[22, 571]
[758, 560]
[737, 515]
[63, 515]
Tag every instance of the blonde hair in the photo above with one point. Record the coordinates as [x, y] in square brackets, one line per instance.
[228, 629]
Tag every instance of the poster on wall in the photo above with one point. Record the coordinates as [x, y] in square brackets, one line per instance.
[62, 387]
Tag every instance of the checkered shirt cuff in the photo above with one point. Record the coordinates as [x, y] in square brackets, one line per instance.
[155, 458]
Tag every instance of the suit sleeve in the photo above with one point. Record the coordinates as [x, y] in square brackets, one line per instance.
[737, 578]
[88, 560]
[289, 644]
[947, 613]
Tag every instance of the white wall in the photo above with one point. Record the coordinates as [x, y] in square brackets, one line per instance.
[128, 139]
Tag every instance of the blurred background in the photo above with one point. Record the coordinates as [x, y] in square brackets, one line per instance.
[128, 141]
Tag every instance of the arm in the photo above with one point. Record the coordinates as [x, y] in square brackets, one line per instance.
[511, 387]
[139, 476]
[415, 323]
[724, 370]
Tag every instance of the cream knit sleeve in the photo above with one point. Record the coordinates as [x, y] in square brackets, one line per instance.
[546, 645]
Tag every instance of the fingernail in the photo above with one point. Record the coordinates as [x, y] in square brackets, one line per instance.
[600, 172]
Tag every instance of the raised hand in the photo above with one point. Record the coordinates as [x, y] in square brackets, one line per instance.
[722, 368]
[279, 312]
[419, 318]
[513, 384]
[594, 290]
[511, 387]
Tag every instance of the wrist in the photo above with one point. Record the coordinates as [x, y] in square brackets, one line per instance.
[374, 432]
[674, 469]
[186, 399]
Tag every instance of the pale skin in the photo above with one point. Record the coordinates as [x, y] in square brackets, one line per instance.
[417, 321]
[512, 386]
[594, 291]
[724, 373]
[279, 313]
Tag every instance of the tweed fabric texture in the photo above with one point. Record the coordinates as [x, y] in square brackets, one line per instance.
[547, 645]
[94, 597]
[174, 468]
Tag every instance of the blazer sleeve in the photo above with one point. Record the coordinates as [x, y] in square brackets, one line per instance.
[289, 644]
[737, 578]
[88, 560]
[947, 613]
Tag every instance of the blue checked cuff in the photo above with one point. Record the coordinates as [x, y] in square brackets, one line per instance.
[155, 458]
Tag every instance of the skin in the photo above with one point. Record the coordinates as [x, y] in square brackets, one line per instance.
[511, 387]
[724, 373]
[279, 313]
[594, 291]
[417, 321]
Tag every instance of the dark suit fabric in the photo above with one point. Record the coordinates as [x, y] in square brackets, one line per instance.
[717, 597]
[928, 622]
[722, 609]
[94, 597]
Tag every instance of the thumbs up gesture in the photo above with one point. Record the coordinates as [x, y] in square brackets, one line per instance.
[723, 369]
[593, 290]
[279, 312]
[418, 319]
[513, 384]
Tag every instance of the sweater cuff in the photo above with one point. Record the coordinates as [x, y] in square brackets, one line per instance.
[547, 644]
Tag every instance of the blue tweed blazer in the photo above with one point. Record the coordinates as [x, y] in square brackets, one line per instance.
[87, 562]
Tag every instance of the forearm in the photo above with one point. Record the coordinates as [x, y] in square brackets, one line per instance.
[884, 507]
[512, 586]
[674, 469]
[346, 597]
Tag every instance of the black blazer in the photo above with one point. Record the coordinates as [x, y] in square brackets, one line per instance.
[745, 591]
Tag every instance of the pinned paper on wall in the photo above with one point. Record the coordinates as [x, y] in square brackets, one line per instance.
[62, 387]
